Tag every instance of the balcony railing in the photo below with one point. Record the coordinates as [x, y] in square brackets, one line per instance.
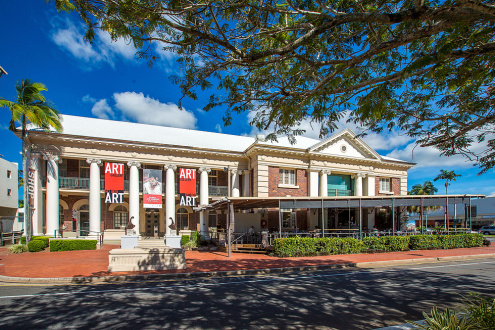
[218, 190]
[83, 183]
[340, 192]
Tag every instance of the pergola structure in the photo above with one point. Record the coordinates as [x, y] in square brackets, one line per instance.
[358, 202]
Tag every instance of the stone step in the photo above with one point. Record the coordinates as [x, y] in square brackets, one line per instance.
[151, 243]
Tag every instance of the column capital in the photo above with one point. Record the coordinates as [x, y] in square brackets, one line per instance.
[235, 171]
[170, 166]
[134, 163]
[328, 172]
[360, 175]
[204, 169]
[93, 161]
[50, 157]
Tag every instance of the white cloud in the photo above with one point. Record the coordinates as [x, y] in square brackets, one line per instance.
[70, 37]
[218, 128]
[146, 110]
[428, 157]
[89, 99]
[102, 110]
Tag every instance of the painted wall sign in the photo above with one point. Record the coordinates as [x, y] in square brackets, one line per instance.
[114, 183]
[30, 182]
[187, 187]
[152, 189]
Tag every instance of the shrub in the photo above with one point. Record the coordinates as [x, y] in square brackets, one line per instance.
[18, 248]
[36, 245]
[23, 240]
[190, 245]
[44, 239]
[307, 246]
[184, 240]
[194, 236]
[446, 320]
[481, 310]
[424, 242]
[72, 244]
[386, 243]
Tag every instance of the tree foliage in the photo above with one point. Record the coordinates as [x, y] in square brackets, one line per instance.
[447, 176]
[424, 66]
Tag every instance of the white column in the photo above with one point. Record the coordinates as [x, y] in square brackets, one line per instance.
[37, 195]
[134, 194]
[203, 199]
[371, 186]
[235, 183]
[246, 182]
[94, 196]
[52, 194]
[313, 184]
[169, 197]
[358, 185]
[324, 183]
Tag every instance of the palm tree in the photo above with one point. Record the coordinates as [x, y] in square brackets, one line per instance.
[30, 107]
[447, 176]
[427, 188]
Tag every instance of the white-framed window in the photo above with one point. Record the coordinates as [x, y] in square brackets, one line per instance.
[287, 177]
[212, 219]
[9, 174]
[385, 184]
[213, 178]
[9, 192]
[182, 219]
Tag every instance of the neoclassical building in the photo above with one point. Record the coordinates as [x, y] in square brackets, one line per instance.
[69, 183]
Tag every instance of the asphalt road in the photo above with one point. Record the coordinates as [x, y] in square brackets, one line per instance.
[339, 299]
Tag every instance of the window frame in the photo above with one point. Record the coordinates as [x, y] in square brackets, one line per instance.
[382, 185]
[287, 178]
[213, 177]
[123, 215]
[9, 192]
[9, 174]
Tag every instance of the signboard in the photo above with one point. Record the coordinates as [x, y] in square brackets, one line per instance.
[30, 184]
[152, 189]
[187, 187]
[114, 183]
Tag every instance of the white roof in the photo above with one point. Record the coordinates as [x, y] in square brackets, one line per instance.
[128, 131]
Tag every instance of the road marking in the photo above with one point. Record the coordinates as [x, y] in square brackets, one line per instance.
[271, 279]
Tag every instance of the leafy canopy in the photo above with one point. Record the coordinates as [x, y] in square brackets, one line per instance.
[424, 66]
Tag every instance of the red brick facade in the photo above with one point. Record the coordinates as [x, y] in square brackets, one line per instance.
[275, 191]
[395, 186]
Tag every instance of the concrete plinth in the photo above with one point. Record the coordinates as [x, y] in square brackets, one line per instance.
[139, 259]
[173, 241]
[129, 241]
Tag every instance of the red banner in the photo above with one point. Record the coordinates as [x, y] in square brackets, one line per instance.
[187, 186]
[114, 183]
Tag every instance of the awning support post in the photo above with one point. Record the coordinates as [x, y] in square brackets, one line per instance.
[322, 219]
[279, 220]
[360, 221]
[393, 217]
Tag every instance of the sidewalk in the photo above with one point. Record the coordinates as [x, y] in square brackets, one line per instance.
[91, 266]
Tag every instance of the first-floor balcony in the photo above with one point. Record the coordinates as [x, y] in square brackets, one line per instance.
[218, 190]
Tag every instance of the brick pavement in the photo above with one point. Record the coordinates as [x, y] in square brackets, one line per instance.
[94, 263]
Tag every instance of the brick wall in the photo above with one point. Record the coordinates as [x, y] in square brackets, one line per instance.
[395, 182]
[106, 215]
[275, 191]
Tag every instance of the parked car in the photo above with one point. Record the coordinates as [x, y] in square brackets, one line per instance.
[487, 230]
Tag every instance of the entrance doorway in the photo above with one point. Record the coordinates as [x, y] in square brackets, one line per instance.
[152, 220]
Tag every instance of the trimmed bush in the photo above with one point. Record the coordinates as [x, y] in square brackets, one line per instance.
[184, 240]
[44, 239]
[18, 248]
[424, 242]
[386, 243]
[430, 242]
[194, 236]
[36, 245]
[23, 240]
[308, 246]
[72, 244]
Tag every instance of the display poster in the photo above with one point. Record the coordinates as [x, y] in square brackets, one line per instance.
[152, 189]
[114, 183]
[187, 187]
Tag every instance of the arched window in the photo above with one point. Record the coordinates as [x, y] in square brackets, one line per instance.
[182, 219]
[120, 217]
[84, 207]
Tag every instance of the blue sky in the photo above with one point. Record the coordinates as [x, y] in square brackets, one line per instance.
[106, 80]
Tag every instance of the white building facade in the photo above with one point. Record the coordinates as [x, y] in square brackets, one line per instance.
[69, 182]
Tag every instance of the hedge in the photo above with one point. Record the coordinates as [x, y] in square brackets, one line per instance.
[72, 244]
[307, 246]
[43, 238]
[36, 245]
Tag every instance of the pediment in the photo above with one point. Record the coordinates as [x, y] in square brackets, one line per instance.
[345, 144]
